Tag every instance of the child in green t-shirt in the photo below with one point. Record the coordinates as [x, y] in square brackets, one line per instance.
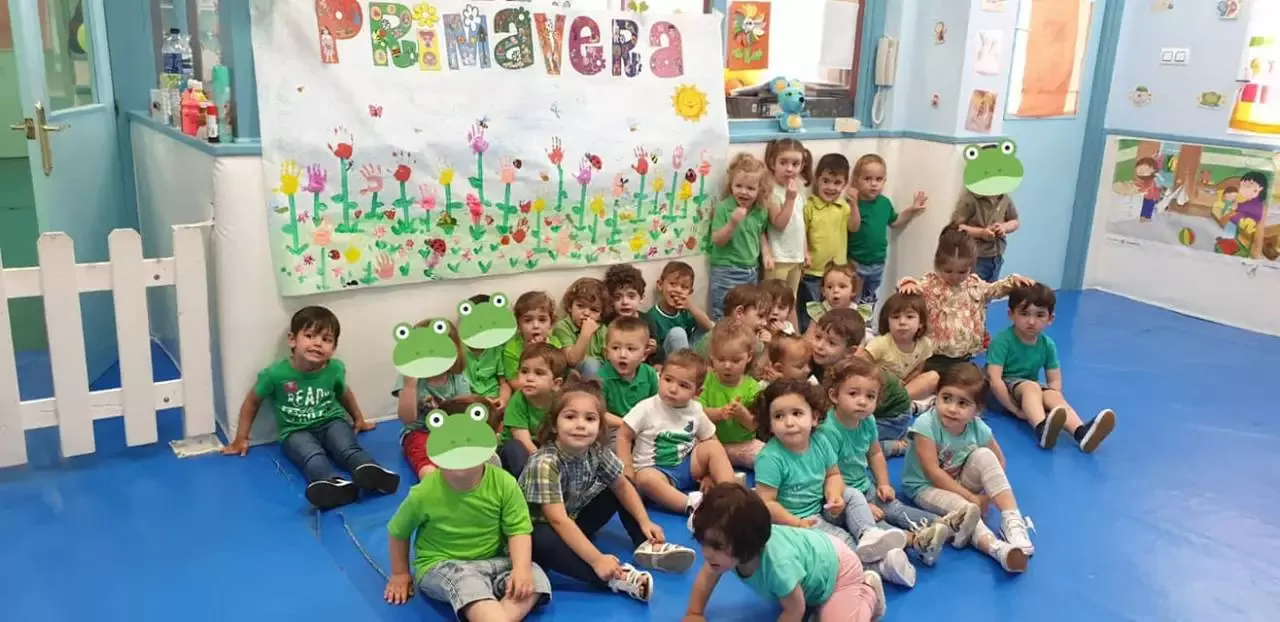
[737, 223]
[534, 313]
[542, 369]
[801, 569]
[311, 400]
[674, 321]
[871, 218]
[580, 330]
[484, 364]
[729, 393]
[469, 527]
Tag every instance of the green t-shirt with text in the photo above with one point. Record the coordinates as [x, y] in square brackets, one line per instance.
[743, 249]
[870, 244]
[716, 395]
[302, 399]
[521, 414]
[851, 446]
[482, 370]
[463, 525]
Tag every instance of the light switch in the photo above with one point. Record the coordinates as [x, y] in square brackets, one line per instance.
[1175, 56]
[1166, 56]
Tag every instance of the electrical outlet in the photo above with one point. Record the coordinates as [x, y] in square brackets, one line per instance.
[1175, 56]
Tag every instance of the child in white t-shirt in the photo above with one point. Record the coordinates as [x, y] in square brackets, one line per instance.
[786, 253]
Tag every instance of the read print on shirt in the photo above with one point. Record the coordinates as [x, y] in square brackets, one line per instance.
[670, 448]
[306, 404]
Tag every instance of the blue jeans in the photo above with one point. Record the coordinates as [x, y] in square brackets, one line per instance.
[514, 456]
[314, 450]
[723, 279]
[677, 339]
[871, 274]
[461, 582]
[900, 515]
[893, 429]
[988, 268]
[857, 516]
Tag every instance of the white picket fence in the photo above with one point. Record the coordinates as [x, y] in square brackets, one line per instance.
[73, 408]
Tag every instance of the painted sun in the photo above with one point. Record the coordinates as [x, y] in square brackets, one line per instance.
[689, 102]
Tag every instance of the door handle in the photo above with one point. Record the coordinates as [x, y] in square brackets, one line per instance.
[28, 125]
[42, 131]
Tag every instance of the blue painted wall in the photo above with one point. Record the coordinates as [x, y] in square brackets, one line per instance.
[1050, 150]
[1215, 53]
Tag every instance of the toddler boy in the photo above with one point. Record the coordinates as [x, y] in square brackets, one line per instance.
[674, 320]
[534, 313]
[627, 379]
[542, 369]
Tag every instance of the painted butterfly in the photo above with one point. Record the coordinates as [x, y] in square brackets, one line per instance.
[375, 111]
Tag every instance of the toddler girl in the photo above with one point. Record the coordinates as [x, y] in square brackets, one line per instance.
[782, 316]
[737, 224]
[802, 569]
[954, 462]
[579, 329]
[729, 393]
[840, 285]
[957, 300]
[796, 473]
[415, 397]
[903, 347]
[786, 254]
[788, 359]
[574, 486]
[853, 388]
[872, 217]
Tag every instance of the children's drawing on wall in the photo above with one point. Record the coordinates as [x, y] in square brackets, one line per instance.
[1229, 9]
[1214, 199]
[987, 59]
[748, 36]
[1140, 96]
[1256, 109]
[452, 139]
[994, 6]
[1161, 5]
[982, 110]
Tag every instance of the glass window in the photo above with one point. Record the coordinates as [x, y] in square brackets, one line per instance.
[1049, 50]
[68, 55]
[814, 41]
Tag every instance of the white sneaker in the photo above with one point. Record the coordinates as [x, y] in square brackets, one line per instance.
[634, 583]
[963, 522]
[1011, 558]
[875, 543]
[691, 506]
[897, 569]
[930, 539]
[924, 405]
[741, 478]
[665, 556]
[1013, 528]
[873, 581]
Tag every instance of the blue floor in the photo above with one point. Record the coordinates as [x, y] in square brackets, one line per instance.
[1175, 518]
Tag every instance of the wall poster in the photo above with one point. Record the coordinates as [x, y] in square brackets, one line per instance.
[414, 141]
[1214, 199]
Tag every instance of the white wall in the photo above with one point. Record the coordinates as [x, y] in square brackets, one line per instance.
[1233, 291]
[253, 318]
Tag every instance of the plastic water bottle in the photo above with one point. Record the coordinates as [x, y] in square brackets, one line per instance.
[171, 79]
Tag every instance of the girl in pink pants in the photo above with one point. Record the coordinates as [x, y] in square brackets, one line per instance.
[805, 570]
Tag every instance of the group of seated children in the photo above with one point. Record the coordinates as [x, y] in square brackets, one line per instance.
[600, 404]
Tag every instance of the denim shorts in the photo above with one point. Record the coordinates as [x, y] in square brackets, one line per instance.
[463, 582]
[894, 428]
[681, 475]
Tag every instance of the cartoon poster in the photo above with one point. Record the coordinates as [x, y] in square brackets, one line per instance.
[748, 38]
[408, 142]
[1214, 199]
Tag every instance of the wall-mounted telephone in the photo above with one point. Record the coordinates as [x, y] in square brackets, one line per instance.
[885, 75]
[886, 61]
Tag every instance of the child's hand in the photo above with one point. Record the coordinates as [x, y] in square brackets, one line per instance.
[764, 336]
[998, 229]
[885, 492]
[607, 568]
[982, 501]
[834, 507]
[919, 201]
[399, 589]
[653, 532]
[768, 263]
[909, 289]
[363, 425]
[793, 189]
[238, 447]
[716, 415]
[739, 213]
[629, 472]
[805, 523]
[1022, 281]
[520, 584]
[589, 325]
[876, 512]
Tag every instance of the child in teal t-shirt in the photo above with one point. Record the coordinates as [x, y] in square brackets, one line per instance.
[736, 225]
[800, 569]
[869, 242]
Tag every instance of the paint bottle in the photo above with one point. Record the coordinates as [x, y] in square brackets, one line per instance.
[193, 108]
[220, 92]
[211, 122]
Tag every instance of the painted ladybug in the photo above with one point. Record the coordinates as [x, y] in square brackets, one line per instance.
[690, 176]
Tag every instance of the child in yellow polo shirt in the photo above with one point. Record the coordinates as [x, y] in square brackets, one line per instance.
[826, 221]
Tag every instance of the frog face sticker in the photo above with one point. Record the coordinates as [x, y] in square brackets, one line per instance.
[462, 440]
[486, 322]
[425, 351]
[991, 170]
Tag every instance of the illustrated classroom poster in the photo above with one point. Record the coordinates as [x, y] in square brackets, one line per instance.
[411, 142]
[748, 37]
[1214, 199]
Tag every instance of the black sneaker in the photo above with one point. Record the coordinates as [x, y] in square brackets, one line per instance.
[1050, 428]
[327, 494]
[1096, 430]
[373, 477]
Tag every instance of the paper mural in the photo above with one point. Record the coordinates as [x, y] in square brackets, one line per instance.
[1256, 109]
[1214, 199]
[987, 57]
[416, 142]
[748, 36]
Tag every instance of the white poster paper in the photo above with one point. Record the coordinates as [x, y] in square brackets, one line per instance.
[987, 59]
[413, 142]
